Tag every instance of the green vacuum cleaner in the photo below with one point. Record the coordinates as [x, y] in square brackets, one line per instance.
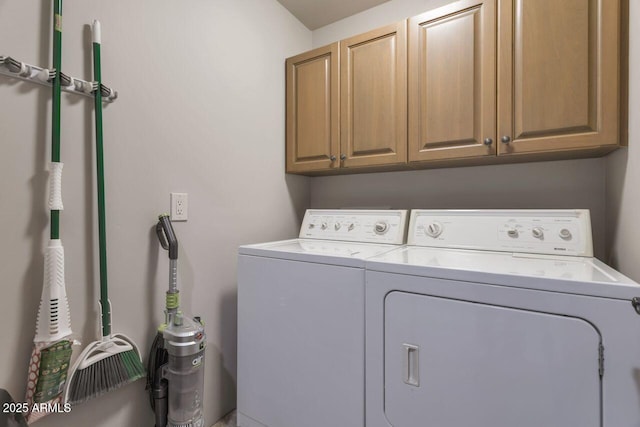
[175, 374]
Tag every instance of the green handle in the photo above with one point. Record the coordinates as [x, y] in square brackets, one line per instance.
[55, 135]
[102, 233]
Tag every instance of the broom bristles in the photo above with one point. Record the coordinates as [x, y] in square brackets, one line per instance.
[104, 376]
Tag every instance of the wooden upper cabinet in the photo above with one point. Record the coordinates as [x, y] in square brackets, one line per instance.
[313, 110]
[475, 81]
[452, 82]
[558, 75]
[373, 97]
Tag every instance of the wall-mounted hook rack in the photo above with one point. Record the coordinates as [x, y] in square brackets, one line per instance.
[43, 76]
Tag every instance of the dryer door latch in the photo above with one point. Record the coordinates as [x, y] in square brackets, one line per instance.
[411, 364]
[635, 302]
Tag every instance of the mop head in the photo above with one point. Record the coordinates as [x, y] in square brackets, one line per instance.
[102, 367]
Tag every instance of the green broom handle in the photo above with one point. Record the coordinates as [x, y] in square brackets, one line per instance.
[102, 234]
[55, 136]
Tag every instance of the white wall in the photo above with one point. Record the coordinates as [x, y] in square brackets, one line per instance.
[201, 110]
[562, 184]
[386, 13]
[623, 172]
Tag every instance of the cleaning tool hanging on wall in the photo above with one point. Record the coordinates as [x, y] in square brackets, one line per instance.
[175, 376]
[51, 353]
[114, 360]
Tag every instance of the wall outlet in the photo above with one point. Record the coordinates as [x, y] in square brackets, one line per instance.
[179, 206]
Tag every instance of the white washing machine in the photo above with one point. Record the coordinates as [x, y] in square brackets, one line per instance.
[301, 320]
[500, 319]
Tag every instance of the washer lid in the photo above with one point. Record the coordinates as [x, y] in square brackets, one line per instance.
[349, 254]
[566, 274]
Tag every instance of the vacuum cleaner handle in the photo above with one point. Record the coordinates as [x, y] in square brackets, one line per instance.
[167, 236]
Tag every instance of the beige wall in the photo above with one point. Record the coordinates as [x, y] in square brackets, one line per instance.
[386, 13]
[623, 172]
[563, 184]
[566, 185]
[201, 110]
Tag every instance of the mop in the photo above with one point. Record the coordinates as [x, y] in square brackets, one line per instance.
[51, 353]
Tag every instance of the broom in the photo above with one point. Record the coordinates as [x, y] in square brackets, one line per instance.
[113, 361]
[51, 353]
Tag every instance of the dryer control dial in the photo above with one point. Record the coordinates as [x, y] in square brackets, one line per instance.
[565, 234]
[537, 232]
[434, 229]
[381, 227]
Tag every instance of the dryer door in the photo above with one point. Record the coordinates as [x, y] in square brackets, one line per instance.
[452, 363]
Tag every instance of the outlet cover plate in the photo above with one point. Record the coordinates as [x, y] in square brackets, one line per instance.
[179, 206]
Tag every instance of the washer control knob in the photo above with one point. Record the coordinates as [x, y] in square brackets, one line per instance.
[433, 230]
[565, 234]
[337, 226]
[512, 232]
[312, 226]
[351, 226]
[381, 227]
[537, 232]
[324, 226]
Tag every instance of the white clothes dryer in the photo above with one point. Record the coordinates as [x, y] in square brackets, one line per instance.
[301, 319]
[500, 319]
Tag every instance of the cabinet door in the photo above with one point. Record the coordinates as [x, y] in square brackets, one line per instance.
[452, 81]
[313, 110]
[373, 97]
[558, 80]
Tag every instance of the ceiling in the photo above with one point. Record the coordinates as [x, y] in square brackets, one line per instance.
[318, 13]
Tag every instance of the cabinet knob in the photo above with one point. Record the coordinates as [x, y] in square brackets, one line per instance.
[505, 139]
[343, 157]
[488, 141]
[332, 158]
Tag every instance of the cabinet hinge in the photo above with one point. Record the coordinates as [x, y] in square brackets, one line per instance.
[601, 360]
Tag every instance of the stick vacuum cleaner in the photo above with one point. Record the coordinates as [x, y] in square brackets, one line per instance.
[176, 360]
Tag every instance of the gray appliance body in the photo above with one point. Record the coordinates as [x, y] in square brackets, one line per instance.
[301, 333]
[460, 338]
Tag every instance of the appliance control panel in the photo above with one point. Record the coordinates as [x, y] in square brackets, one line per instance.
[355, 225]
[559, 232]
